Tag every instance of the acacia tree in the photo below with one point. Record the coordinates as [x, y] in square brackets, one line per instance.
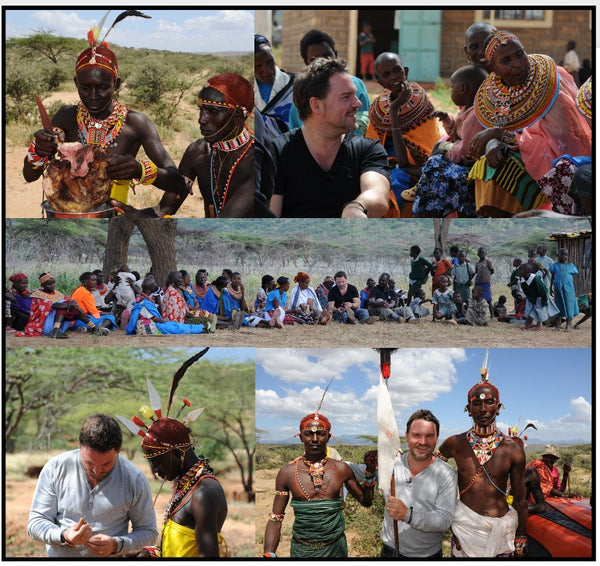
[44, 43]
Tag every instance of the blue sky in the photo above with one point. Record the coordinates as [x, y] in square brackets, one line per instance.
[195, 31]
[549, 387]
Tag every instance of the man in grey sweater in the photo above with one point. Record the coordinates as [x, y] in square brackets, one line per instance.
[86, 498]
[425, 494]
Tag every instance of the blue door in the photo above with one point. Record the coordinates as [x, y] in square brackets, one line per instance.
[419, 41]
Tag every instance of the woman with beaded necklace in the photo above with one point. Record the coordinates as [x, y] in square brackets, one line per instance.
[101, 120]
[527, 107]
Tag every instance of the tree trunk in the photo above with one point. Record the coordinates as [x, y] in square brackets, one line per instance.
[440, 232]
[159, 235]
[117, 243]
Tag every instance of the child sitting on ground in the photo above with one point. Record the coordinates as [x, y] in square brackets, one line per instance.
[460, 306]
[443, 189]
[500, 308]
[444, 308]
[477, 308]
[417, 303]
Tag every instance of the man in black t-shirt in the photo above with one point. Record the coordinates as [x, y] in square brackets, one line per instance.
[383, 301]
[323, 169]
[344, 302]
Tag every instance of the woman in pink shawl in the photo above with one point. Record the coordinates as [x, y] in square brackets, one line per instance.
[527, 105]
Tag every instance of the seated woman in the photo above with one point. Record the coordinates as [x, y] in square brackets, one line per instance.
[219, 302]
[267, 284]
[304, 305]
[20, 302]
[527, 105]
[188, 292]
[146, 319]
[52, 313]
[175, 308]
[82, 295]
[235, 288]
[276, 304]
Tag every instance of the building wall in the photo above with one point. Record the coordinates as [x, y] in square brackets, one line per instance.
[566, 25]
[337, 23]
[342, 25]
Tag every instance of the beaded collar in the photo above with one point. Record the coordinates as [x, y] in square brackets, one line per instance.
[41, 294]
[584, 99]
[229, 145]
[316, 470]
[184, 485]
[484, 446]
[235, 294]
[102, 133]
[516, 107]
[417, 109]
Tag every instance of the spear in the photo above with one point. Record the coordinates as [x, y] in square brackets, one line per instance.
[388, 439]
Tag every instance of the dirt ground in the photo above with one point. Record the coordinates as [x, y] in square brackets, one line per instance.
[238, 529]
[382, 334]
[23, 199]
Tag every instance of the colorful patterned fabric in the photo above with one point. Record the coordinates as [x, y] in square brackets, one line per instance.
[174, 306]
[546, 476]
[318, 530]
[556, 183]
[443, 188]
[41, 309]
[516, 107]
[513, 178]
[584, 100]
[420, 129]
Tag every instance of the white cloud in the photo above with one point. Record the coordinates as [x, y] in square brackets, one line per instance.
[571, 426]
[312, 365]
[421, 375]
[418, 377]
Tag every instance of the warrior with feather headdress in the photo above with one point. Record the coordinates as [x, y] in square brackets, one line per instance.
[100, 128]
[197, 509]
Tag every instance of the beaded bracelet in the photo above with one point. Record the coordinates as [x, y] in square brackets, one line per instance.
[521, 545]
[369, 483]
[275, 517]
[282, 492]
[35, 161]
[149, 172]
[269, 555]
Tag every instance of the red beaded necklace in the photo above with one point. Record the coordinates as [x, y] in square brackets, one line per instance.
[219, 194]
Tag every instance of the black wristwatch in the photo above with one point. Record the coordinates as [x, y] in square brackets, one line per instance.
[63, 540]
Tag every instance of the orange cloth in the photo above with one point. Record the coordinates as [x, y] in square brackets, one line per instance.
[86, 301]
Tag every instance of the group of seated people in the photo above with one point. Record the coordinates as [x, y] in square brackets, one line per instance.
[520, 141]
[461, 293]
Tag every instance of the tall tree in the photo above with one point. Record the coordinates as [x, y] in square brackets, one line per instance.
[440, 232]
[51, 46]
[159, 235]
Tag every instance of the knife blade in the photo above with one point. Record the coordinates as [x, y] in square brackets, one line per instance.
[46, 123]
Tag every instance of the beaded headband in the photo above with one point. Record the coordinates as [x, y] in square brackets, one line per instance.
[484, 372]
[498, 38]
[46, 277]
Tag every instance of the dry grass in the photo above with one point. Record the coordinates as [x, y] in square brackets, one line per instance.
[379, 335]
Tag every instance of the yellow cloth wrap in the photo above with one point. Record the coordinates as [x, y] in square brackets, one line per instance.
[120, 190]
[180, 542]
